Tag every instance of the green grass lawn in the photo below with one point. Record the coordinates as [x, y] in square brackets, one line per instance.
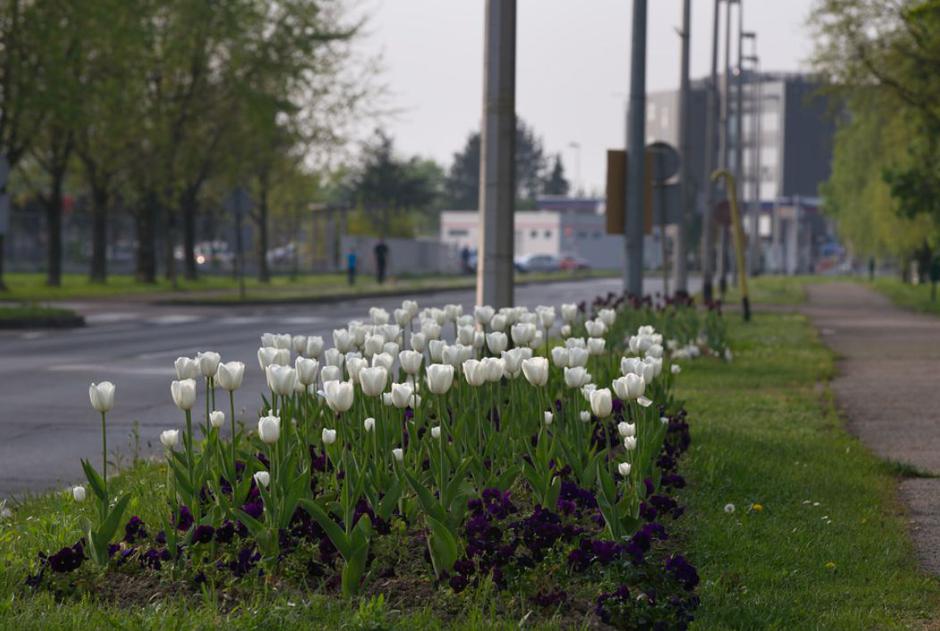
[915, 297]
[31, 287]
[32, 312]
[827, 549]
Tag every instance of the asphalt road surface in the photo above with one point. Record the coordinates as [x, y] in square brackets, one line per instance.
[47, 423]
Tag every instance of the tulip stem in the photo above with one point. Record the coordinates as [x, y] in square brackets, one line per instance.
[231, 401]
[104, 452]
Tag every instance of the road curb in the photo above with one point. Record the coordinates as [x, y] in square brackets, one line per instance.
[46, 322]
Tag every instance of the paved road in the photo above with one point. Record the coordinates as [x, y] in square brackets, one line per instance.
[888, 390]
[47, 423]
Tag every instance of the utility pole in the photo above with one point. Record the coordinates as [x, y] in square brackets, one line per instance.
[724, 151]
[636, 140]
[756, 83]
[685, 186]
[711, 116]
[739, 114]
[497, 156]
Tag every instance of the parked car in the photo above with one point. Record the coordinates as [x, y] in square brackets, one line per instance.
[537, 263]
[573, 262]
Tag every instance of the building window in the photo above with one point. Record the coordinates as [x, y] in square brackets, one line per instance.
[458, 232]
[582, 235]
[597, 235]
[548, 234]
[534, 234]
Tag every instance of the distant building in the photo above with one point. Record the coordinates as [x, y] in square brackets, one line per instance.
[559, 226]
[787, 120]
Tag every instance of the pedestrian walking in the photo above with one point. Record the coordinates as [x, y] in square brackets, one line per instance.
[351, 266]
[381, 260]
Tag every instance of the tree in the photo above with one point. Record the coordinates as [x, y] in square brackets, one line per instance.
[556, 183]
[463, 178]
[883, 59]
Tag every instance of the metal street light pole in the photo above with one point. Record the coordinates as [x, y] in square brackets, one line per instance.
[739, 114]
[685, 186]
[497, 154]
[725, 151]
[708, 228]
[756, 91]
[636, 138]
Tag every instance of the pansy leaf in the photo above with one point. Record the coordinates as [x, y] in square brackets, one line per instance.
[443, 546]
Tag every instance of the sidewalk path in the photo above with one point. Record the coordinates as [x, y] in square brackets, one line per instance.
[888, 387]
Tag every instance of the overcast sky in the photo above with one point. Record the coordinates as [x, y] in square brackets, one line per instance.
[572, 67]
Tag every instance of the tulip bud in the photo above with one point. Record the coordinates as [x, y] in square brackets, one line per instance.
[498, 322]
[328, 436]
[629, 443]
[664, 420]
[262, 478]
[436, 431]
[401, 395]
[169, 438]
[314, 347]
[483, 314]
[281, 379]
[439, 378]
[576, 377]
[399, 454]
[419, 342]
[186, 368]
[269, 429]
[474, 372]
[607, 316]
[230, 375]
[184, 394]
[644, 402]
[596, 345]
[306, 370]
[522, 333]
[497, 342]
[373, 380]
[102, 396]
[601, 403]
[569, 312]
[585, 416]
[208, 363]
[595, 328]
[217, 418]
[560, 357]
[626, 429]
[675, 369]
[565, 330]
[494, 368]
[548, 417]
[578, 356]
[339, 395]
[536, 371]
[369, 424]
[331, 373]
[410, 361]
[624, 469]
[78, 493]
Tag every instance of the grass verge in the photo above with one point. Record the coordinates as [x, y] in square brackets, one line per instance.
[914, 297]
[817, 538]
[28, 287]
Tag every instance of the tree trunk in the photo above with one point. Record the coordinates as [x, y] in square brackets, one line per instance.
[264, 274]
[99, 237]
[188, 207]
[169, 245]
[144, 221]
[54, 231]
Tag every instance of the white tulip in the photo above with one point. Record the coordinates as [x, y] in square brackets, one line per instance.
[560, 357]
[374, 344]
[267, 339]
[402, 317]
[512, 360]
[298, 344]
[262, 478]
[436, 350]
[654, 350]
[306, 370]
[535, 370]
[585, 416]
[546, 316]
[451, 355]
[569, 312]
[313, 347]
[410, 361]
[399, 454]
[631, 364]
[391, 349]
[410, 306]
[656, 363]
[436, 431]
[230, 375]
[217, 418]
[378, 315]
[373, 380]
[629, 443]
[186, 368]
[595, 328]
[330, 373]
[369, 423]
[354, 366]
[328, 436]
[184, 393]
[548, 417]
[439, 378]
[266, 357]
[565, 330]
[624, 469]
[78, 493]
[649, 372]
[208, 363]
[497, 342]
[575, 342]
[269, 429]
[675, 369]
[474, 371]
[282, 341]
[498, 322]
[170, 438]
[629, 386]
[626, 429]
[576, 377]
[101, 396]
[282, 380]
[494, 368]
[601, 402]
[596, 345]
[339, 395]
[483, 314]
[343, 340]
[644, 402]
[587, 389]
[419, 342]
[607, 316]
[384, 360]
[578, 356]
[522, 333]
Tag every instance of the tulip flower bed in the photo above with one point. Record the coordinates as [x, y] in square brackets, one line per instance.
[429, 461]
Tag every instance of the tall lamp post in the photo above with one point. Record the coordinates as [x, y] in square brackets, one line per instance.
[756, 93]
[685, 186]
[636, 137]
[711, 118]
